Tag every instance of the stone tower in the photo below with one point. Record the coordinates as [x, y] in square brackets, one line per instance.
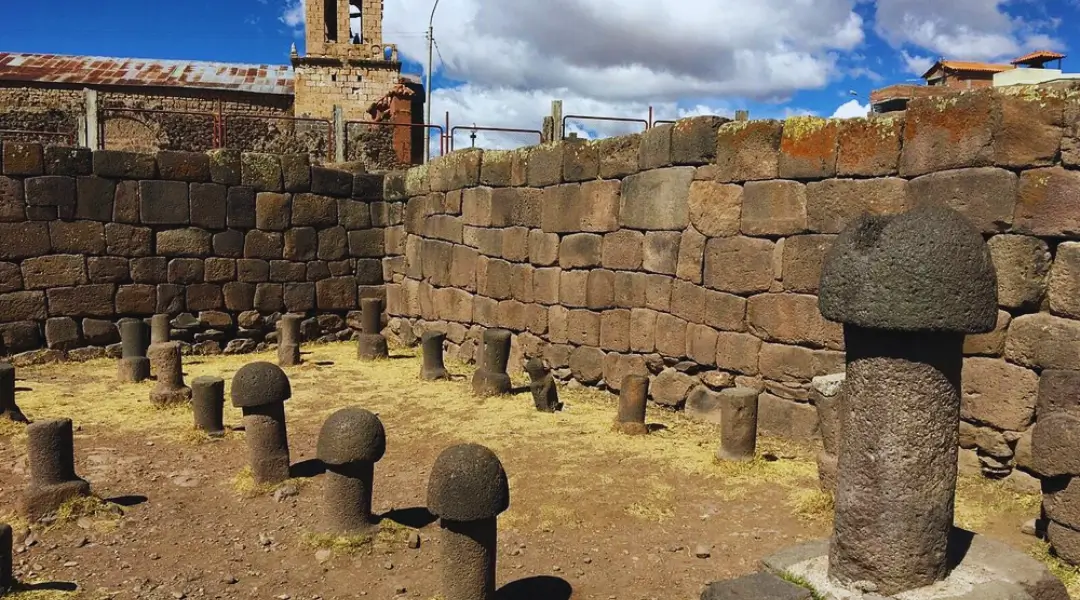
[344, 65]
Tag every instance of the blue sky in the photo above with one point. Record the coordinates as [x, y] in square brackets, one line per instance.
[501, 62]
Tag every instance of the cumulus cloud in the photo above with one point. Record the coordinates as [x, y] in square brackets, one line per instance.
[293, 16]
[851, 109]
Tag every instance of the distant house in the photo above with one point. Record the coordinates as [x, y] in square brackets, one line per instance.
[949, 76]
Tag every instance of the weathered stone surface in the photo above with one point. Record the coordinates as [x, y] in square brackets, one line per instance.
[163, 202]
[333, 244]
[954, 133]
[869, 147]
[77, 237]
[600, 289]
[587, 364]
[748, 150]
[1055, 445]
[95, 300]
[791, 319]
[808, 148]
[985, 195]
[331, 182]
[592, 206]
[54, 271]
[656, 199]
[1044, 341]
[615, 330]
[579, 250]
[803, 257]
[296, 172]
[989, 344]
[119, 164]
[185, 271]
[52, 191]
[759, 586]
[739, 265]
[23, 158]
[832, 204]
[999, 394]
[773, 208]
[12, 200]
[60, 160]
[622, 250]
[693, 140]
[107, 269]
[136, 299]
[655, 149]
[273, 211]
[618, 156]
[670, 334]
[184, 242]
[1049, 203]
[208, 205]
[22, 306]
[240, 207]
[353, 214]
[738, 352]
[926, 269]
[582, 328]
[1031, 126]
[581, 161]
[183, 166]
[367, 243]
[93, 198]
[225, 166]
[701, 344]
[261, 171]
[691, 262]
[660, 253]
[1064, 288]
[787, 419]
[715, 208]
[23, 240]
[671, 387]
[455, 171]
[10, 278]
[1022, 264]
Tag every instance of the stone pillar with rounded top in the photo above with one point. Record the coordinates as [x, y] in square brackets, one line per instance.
[542, 385]
[431, 345]
[7, 564]
[467, 490]
[51, 456]
[8, 408]
[208, 404]
[288, 349]
[350, 442]
[370, 342]
[259, 390]
[134, 363]
[491, 378]
[168, 363]
[907, 289]
[738, 424]
[633, 399]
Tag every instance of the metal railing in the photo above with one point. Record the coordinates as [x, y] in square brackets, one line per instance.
[424, 126]
[475, 128]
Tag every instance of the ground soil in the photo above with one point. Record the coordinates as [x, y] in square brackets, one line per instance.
[594, 514]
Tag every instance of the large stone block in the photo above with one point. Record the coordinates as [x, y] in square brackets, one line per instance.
[618, 366]
[543, 167]
[190, 241]
[12, 200]
[787, 419]
[184, 271]
[693, 140]
[23, 240]
[726, 312]
[58, 270]
[803, 257]
[331, 182]
[588, 207]
[656, 199]
[51, 190]
[792, 319]
[587, 364]
[1058, 392]
[671, 387]
[580, 250]
[261, 171]
[600, 289]
[583, 328]
[333, 244]
[658, 291]
[573, 288]
[689, 301]
[773, 208]
[270, 298]
[1023, 265]
[739, 265]
[93, 198]
[615, 330]
[301, 243]
[1043, 341]
[998, 394]
[10, 278]
[1055, 445]
[266, 245]
[643, 329]
[296, 173]
[94, 300]
[495, 169]
[453, 304]
[948, 133]
[748, 150]
[808, 148]
[455, 171]
[126, 202]
[149, 269]
[546, 288]
[655, 148]
[353, 214]
[989, 344]
[737, 352]
[163, 202]
[985, 195]
[618, 155]
[240, 207]
[208, 205]
[183, 166]
[1064, 290]
[1049, 203]
[832, 204]
[1030, 129]
[691, 256]
[660, 253]
[336, 293]
[670, 335]
[581, 161]
[701, 344]
[77, 237]
[314, 210]
[367, 243]
[869, 147]
[229, 243]
[630, 289]
[60, 160]
[120, 164]
[225, 167]
[273, 211]
[23, 158]
[622, 250]
[781, 362]
[22, 306]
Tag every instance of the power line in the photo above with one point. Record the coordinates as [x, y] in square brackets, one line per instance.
[441, 59]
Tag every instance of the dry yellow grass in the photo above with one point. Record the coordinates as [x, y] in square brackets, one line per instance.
[980, 500]
[387, 536]
[1068, 574]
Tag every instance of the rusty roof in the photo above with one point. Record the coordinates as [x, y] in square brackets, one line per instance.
[97, 70]
[1038, 56]
[969, 66]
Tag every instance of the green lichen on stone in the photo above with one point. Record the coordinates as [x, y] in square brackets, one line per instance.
[735, 126]
[804, 126]
[416, 180]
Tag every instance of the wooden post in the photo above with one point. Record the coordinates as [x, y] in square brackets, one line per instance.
[557, 120]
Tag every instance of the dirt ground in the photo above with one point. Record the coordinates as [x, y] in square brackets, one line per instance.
[593, 514]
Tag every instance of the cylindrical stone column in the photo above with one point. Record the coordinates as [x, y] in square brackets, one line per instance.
[897, 462]
[7, 575]
[467, 490]
[8, 408]
[907, 289]
[160, 329]
[208, 404]
[288, 350]
[134, 364]
[491, 378]
[170, 389]
[739, 420]
[260, 390]
[350, 442]
[633, 399]
[51, 455]
[370, 342]
[431, 344]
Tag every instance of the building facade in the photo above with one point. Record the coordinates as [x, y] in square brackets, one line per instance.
[344, 98]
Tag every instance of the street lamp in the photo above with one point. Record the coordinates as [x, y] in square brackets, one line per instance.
[427, 86]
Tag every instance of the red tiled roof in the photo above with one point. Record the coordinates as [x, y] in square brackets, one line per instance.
[968, 66]
[96, 70]
[1038, 56]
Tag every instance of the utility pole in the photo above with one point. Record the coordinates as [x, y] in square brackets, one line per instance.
[427, 86]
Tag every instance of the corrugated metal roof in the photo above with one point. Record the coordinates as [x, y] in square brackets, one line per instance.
[97, 70]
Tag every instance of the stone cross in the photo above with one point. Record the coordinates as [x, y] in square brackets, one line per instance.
[350, 442]
[907, 289]
[51, 455]
[260, 390]
[467, 490]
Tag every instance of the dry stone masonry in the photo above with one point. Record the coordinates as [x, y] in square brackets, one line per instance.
[259, 390]
[1055, 449]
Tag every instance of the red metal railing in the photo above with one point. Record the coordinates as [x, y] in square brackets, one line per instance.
[474, 129]
[425, 126]
[216, 127]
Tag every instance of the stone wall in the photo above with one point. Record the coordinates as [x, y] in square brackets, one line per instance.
[224, 241]
[692, 252]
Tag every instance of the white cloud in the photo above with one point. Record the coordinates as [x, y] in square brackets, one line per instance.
[293, 16]
[917, 65]
[851, 109]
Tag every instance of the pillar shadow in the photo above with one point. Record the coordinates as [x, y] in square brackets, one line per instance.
[130, 500]
[48, 586]
[542, 587]
[307, 469]
[23, 389]
[521, 389]
[416, 517]
[959, 544]
[323, 363]
[654, 427]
